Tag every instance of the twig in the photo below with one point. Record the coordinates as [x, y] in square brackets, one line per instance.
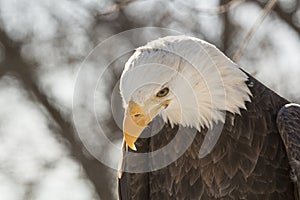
[218, 10]
[116, 7]
[230, 5]
[285, 16]
[253, 29]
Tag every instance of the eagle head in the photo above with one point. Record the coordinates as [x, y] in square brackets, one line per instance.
[185, 80]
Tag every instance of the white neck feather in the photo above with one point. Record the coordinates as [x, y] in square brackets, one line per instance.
[204, 82]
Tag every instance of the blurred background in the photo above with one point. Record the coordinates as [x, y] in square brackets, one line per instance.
[42, 46]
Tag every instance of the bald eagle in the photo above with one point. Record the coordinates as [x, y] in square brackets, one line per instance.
[197, 126]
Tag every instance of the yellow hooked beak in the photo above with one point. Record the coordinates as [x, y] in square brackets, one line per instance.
[135, 121]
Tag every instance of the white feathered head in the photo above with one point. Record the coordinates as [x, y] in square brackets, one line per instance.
[185, 80]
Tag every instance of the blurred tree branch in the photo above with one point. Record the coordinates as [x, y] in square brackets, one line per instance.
[267, 9]
[223, 8]
[228, 27]
[285, 16]
[13, 63]
[117, 7]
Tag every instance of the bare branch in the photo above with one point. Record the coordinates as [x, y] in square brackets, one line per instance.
[286, 17]
[117, 6]
[215, 11]
[253, 29]
[228, 30]
[230, 5]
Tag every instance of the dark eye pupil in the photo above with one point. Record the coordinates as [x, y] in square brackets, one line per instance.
[163, 92]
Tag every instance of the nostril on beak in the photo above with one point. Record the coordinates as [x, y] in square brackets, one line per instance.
[137, 115]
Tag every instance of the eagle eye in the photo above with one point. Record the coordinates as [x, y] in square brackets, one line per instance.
[163, 92]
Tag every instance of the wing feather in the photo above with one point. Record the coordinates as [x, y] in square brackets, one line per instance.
[288, 122]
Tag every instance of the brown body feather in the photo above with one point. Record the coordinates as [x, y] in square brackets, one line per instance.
[249, 161]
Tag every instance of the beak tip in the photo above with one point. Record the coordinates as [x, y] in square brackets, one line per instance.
[130, 140]
[133, 147]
